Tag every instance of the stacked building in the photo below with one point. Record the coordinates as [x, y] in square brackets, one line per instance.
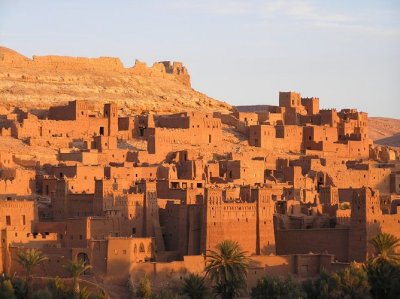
[151, 193]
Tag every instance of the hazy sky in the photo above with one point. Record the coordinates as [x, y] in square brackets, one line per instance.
[243, 52]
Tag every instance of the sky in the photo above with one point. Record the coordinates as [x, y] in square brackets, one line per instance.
[242, 52]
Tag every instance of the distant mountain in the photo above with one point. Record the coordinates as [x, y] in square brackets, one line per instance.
[384, 131]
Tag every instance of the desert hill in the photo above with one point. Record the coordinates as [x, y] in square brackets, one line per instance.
[45, 80]
[385, 131]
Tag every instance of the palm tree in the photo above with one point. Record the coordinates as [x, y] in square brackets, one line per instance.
[227, 268]
[76, 269]
[385, 248]
[194, 287]
[29, 259]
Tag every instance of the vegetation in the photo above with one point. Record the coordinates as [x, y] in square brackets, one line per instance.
[29, 259]
[194, 287]
[17, 288]
[351, 282]
[144, 288]
[384, 279]
[7, 289]
[76, 269]
[379, 277]
[227, 268]
[385, 248]
[278, 288]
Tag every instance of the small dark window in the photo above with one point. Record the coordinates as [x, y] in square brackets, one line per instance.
[8, 220]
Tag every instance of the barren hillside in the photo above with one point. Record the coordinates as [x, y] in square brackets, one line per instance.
[385, 131]
[45, 80]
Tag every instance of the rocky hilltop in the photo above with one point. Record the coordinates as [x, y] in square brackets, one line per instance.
[44, 80]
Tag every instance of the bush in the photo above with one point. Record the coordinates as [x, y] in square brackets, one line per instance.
[7, 289]
[19, 287]
[278, 288]
[384, 278]
[165, 294]
[351, 282]
[144, 288]
[42, 294]
[58, 289]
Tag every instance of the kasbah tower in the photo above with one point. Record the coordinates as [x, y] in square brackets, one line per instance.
[136, 190]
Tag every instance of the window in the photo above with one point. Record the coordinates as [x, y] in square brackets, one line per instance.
[8, 220]
[23, 220]
[123, 251]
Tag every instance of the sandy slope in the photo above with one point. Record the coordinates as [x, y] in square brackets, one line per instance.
[385, 131]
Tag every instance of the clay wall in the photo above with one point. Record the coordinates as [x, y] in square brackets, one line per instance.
[327, 240]
[377, 178]
[311, 105]
[131, 173]
[243, 171]
[289, 99]
[329, 117]
[367, 220]
[284, 138]
[124, 253]
[54, 266]
[34, 128]
[17, 215]
[77, 63]
[249, 223]
[318, 134]
[21, 183]
[130, 210]
[84, 157]
[103, 143]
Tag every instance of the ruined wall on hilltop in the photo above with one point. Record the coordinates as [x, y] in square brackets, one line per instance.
[164, 69]
[52, 63]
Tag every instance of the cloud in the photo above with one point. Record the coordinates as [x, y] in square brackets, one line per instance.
[310, 13]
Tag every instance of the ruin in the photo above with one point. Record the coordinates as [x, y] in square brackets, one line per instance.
[149, 193]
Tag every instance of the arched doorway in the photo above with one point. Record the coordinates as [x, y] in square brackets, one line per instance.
[84, 257]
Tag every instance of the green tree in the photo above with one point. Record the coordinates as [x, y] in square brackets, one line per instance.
[76, 269]
[194, 287]
[29, 259]
[384, 278]
[144, 288]
[278, 288]
[385, 248]
[227, 267]
[351, 282]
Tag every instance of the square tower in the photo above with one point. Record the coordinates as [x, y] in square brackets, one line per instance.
[111, 113]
